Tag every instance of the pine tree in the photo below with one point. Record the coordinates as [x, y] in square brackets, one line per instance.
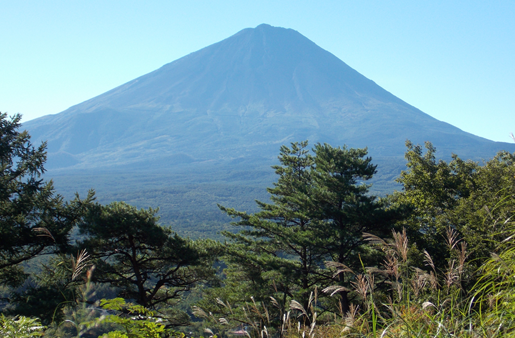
[34, 220]
[280, 240]
[145, 261]
[347, 210]
[319, 209]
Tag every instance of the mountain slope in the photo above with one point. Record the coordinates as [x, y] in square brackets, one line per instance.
[240, 99]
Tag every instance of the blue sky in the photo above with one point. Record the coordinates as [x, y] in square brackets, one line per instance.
[453, 60]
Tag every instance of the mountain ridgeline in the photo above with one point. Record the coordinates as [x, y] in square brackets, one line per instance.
[219, 116]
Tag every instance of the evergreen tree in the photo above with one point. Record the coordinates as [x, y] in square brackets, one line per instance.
[346, 210]
[482, 216]
[279, 243]
[33, 219]
[465, 196]
[146, 261]
[319, 209]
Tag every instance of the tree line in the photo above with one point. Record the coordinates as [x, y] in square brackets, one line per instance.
[315, 248]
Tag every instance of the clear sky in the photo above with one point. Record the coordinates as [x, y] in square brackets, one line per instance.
[454, 60]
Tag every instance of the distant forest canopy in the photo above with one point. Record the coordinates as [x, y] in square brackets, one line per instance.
[319, 256]
[189, 207]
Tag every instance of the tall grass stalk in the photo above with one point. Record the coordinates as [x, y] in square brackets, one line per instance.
[426, 303]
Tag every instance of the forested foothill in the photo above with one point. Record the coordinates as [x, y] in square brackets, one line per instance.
[322, 257]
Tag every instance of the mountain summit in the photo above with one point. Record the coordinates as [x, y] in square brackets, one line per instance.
[239, 100]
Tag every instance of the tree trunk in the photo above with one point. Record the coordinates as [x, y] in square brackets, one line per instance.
[344, 302]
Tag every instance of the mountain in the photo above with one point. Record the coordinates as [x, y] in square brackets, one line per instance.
[220, 114]
[238, 98]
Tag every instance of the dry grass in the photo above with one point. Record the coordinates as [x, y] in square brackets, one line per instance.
[426, 304]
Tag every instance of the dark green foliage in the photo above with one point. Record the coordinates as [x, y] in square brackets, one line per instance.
[280, 243]
[481, 217]
[33, 219]
[57, 284]
[496, 285]
[470, 198]
[319, 211]
[45, 302]
[347, 210]
[146, 261]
